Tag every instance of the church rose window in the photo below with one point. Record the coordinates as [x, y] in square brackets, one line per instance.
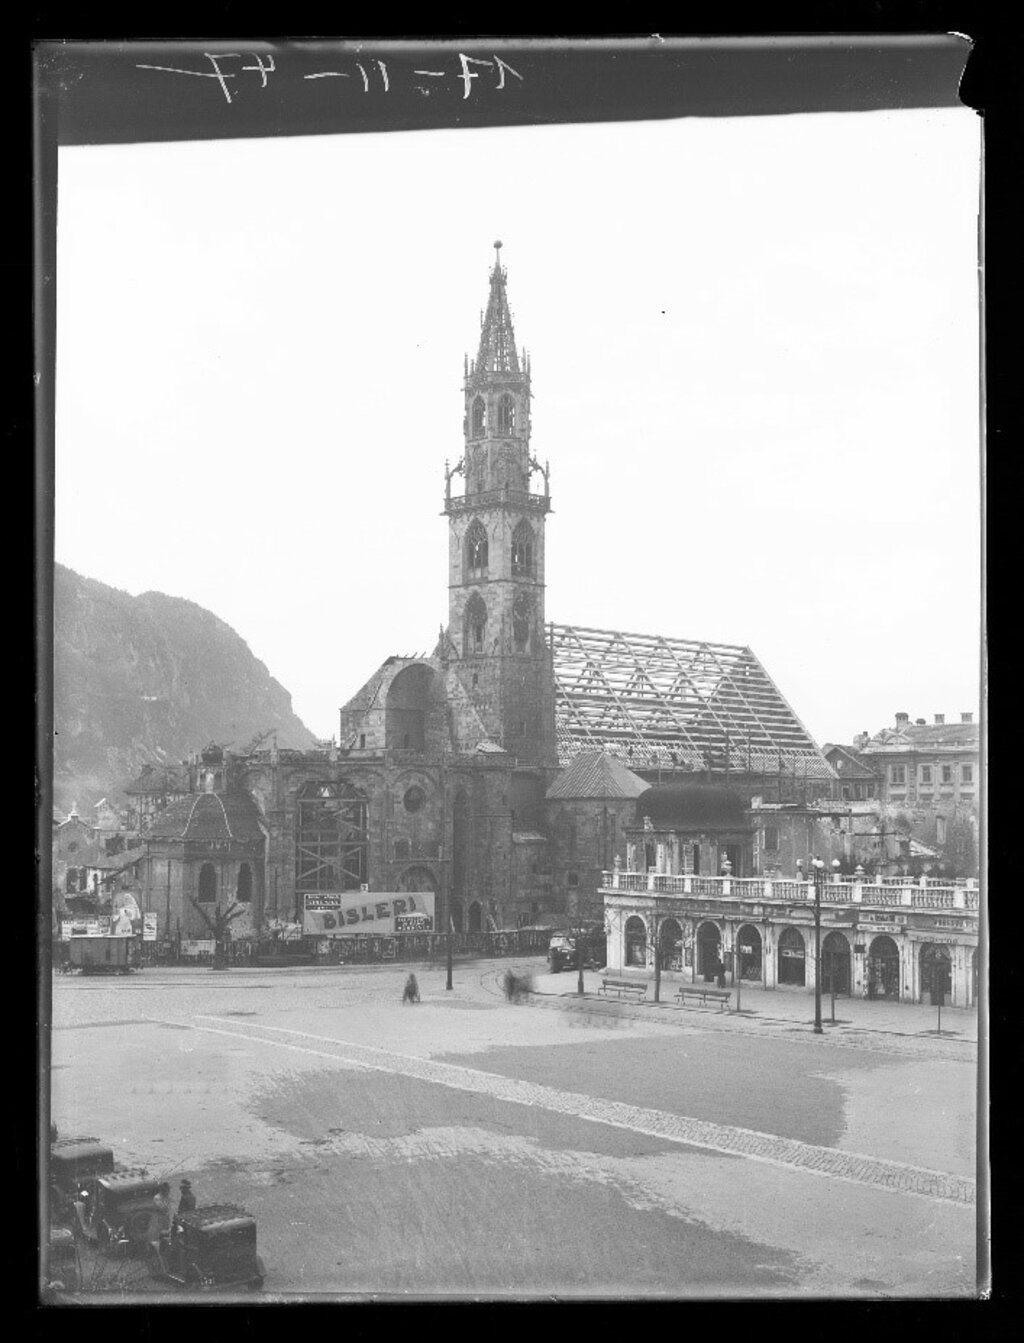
[331, 838]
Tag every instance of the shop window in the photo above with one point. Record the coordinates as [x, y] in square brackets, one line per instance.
[636, 941]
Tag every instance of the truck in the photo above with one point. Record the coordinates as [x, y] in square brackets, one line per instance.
[112, 955]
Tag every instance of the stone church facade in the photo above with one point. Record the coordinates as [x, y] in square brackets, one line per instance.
[497, 773]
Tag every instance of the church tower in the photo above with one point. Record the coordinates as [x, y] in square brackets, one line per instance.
[496, 546]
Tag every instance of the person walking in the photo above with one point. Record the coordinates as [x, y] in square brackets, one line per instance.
[186, 1198]
[411, 992]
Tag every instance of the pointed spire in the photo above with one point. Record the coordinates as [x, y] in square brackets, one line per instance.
[497, 352]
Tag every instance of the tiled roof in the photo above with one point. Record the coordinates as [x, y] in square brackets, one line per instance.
[594, 774]
[848, 765]
[209, 816]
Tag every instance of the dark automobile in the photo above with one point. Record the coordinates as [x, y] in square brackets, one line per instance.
[212, 1247]
[74, 1163]
[117, 1209]
[562, 950]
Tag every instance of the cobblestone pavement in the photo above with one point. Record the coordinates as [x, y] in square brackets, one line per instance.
[469, 1146]
[695, 1133]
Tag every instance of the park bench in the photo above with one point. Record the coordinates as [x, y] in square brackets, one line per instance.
[706, 993]
[634, 987]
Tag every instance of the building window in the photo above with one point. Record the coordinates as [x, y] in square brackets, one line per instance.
[331, 838]
[476, 550]
[846, 792]
[244, 892]
[573, 879]
[207, 884]
[926, 773]
[940, 829]
[474, 625]
[478, 417]
[771, 839]
[402, 849]
[966, 773]
[414, 798]
[522, 550]
[897, 774]
[947, 773]
[506, 416]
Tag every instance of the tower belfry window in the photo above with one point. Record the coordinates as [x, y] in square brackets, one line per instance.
[506, 415]
[522, 550]
[474, 625]
[476, 550]
[522, 619]
[478, 417]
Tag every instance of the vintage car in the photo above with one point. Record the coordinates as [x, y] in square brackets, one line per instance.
[74, 1162]
[562, 950]
[116, 1209]
[213, 1246]
[561, 953]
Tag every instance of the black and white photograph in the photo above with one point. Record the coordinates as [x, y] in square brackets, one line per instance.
[517, 753]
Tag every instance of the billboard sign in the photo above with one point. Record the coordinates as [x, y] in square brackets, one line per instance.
[345, 913]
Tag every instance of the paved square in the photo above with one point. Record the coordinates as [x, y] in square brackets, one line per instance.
[560, 1147]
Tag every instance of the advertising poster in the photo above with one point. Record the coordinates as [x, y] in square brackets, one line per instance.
[149, 928]
[344, 913]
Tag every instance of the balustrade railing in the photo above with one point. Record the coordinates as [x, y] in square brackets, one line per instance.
[882, 893]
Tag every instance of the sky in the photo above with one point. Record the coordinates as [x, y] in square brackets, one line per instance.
[755, 360]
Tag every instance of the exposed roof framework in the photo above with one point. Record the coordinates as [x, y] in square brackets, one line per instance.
[673, 703]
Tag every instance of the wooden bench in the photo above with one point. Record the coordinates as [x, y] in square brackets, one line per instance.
[635, 987]
[706, 993]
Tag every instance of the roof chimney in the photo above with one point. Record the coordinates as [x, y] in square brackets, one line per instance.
[902, 719]
[967, 718]
[940, 718]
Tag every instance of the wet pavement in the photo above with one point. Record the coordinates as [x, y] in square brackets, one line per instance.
[564, 1146]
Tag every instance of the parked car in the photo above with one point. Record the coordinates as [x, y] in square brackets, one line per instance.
[561, 953]
[211, 1247]
[562, 950]
[74, 1163]
[117, 1209]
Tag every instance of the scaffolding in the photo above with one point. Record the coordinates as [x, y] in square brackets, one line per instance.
[660, 703]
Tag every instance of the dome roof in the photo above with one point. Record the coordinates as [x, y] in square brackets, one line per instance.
[692, 804]
[209, 816]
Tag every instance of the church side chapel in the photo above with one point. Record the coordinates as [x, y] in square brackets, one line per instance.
[504, 772]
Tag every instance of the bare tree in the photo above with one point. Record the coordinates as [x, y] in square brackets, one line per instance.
[218, 925]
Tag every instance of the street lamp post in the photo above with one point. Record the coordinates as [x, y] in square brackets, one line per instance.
[818, 866]
[726, 871]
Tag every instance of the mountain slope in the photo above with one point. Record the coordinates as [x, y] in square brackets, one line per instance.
[140, 680]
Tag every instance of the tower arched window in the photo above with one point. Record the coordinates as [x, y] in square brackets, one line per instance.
[478, 417]
[474, 625]
[522, 550]
[476, 550]
[506, 415]
[522, 621]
